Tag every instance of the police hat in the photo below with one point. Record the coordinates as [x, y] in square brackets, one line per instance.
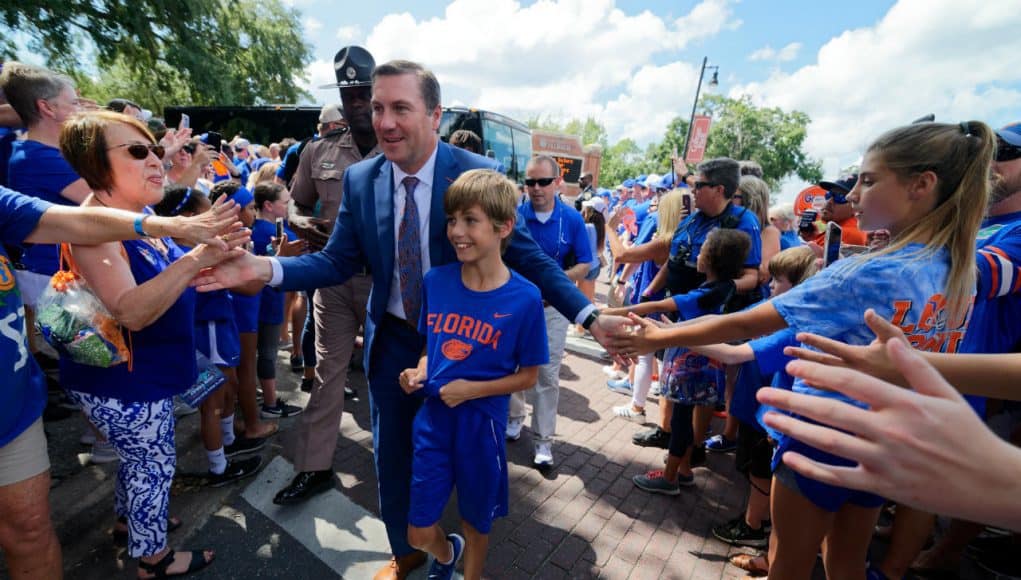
[353, 66]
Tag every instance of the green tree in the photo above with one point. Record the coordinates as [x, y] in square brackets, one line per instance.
[590, 131]
[156, 52]
[771, 136]
[661, 154]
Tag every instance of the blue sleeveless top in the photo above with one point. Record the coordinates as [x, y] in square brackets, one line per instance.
[163, 353]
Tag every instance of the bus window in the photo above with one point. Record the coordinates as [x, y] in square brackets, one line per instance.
[457, 120]
[498, 143]
[522, 153]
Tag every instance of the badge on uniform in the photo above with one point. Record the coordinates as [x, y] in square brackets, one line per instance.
[327, 165]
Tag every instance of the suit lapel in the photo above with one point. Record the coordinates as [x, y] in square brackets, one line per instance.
[382, 192]
[444, 173]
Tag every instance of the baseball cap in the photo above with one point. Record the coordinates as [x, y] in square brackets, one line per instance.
[629, 182]
[331, 114]
[242, 144]
[596, 203]
[243, 196]
[1011, 134]
[842, 185]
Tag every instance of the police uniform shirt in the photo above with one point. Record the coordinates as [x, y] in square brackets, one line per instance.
[321, 171]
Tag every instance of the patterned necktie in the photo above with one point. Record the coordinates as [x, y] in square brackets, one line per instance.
[409, 254]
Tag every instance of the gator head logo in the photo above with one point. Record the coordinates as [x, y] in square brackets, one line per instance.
[455, 349]
[6, 274]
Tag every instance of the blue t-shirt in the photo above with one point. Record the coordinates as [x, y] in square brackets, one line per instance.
[40, 171]
[905, 287]
[688, 377]
[770, 362]
[480, 335]
[994, 324]
[789, 239]
[23, 394]
[216, 306]
[692, 232]
[648, 269]
[271, 301]
[162, 354]
[562, 234]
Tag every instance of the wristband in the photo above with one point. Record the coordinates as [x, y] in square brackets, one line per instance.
[590, 319]
[139, 226]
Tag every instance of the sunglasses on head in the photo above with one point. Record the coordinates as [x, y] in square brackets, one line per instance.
[701, 184]
[541, 181]
[141, 150]
[840, 198]
[1006, 152]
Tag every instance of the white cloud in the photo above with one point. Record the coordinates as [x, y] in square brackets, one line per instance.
[953, 58]
[312, 24]
[768, 53]
[348, 34]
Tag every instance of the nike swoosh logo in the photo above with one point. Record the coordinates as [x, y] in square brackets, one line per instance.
[497, 315]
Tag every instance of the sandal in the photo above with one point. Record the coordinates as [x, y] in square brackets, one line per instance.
[756, 565]
[159, 569]
[121, 536]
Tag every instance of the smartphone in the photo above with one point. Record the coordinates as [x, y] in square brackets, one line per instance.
[280, 228]
[807, 220]
[185, 122]
[686, 200]
[214, 139]
[831, 247]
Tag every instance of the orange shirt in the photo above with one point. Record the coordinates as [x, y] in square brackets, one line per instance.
[849, 233]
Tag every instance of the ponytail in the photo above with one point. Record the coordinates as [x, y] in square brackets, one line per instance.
[959, 155]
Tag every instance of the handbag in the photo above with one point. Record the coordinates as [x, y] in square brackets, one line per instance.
[209, 379]
[74, 322]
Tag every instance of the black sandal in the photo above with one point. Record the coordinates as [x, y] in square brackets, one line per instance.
[159, 569]
[120, 537]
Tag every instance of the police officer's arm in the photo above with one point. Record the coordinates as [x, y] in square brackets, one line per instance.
[303, 200]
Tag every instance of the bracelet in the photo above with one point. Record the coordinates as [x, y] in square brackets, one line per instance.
[139, 229]
[590, 319]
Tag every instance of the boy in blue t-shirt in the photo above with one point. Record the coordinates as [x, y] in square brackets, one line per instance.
[486, 338]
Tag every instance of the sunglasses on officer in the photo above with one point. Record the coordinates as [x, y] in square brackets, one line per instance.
[140, 150]
[1006, 152]
[837, 197]
[540, 181]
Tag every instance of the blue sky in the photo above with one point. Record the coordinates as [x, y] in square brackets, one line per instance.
[856, 69]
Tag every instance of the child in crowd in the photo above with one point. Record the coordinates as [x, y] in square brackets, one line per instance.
[758, 359]
[271, 201]
[928, 184]
[216, 336]
[486, 338]
[689, 379]
[246, 316]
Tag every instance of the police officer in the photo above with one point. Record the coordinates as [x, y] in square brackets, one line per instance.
[339, 310]
[587, 191]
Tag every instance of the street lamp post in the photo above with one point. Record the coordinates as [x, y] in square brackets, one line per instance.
[691, 121]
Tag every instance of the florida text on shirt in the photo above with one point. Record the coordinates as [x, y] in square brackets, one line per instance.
[933, 331]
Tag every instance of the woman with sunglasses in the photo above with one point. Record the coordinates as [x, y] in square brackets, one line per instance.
[144, 285]
[188, 165]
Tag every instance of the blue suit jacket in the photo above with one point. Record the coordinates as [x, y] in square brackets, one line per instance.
[364, 236]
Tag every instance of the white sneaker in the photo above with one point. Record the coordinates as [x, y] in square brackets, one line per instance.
[103, 452]
[543, 455]
[609, 371]
[514, 428]
[629, 412]
[654, 389]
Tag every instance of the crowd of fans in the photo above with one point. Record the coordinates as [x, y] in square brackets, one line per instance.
[212, 255]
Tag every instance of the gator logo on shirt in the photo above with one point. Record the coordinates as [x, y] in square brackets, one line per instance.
[6, 275]
[466, 327]
[455, 349]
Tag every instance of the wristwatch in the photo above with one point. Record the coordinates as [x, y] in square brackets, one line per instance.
[591, 318]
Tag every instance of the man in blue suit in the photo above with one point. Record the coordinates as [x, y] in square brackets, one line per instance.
[391, 219]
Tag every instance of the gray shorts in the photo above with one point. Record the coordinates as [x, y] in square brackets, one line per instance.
[24, 457]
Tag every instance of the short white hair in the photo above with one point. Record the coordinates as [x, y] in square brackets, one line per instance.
[783, 211]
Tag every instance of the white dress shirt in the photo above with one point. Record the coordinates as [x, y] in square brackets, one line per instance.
[423, 198]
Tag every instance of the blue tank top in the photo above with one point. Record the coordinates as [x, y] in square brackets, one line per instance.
[163, 353]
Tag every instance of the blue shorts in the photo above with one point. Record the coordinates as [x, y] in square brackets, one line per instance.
[461, 448]
[593, 273]
[826, 497]
[219, 341]
[246, 312]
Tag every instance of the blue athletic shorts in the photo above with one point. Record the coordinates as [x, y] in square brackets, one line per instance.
[462, 448]
[246, 312]
[219, 341]
[827, 497]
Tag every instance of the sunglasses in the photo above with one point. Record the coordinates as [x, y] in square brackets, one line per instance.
[701, 184]
[541, 181]
[189, 148]
[839, 198]
[141, 151]
[1006, 152]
